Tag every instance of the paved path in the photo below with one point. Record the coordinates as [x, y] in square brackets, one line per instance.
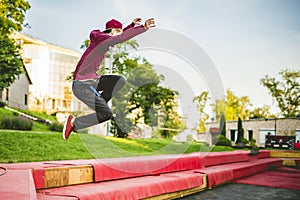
[235, 191]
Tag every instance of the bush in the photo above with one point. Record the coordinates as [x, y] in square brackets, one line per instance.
[245, 141]
[252, 142]
[5, 113]
[16, 123]
[205, 144]
[56, 127]
[223, 141]
[2, 104]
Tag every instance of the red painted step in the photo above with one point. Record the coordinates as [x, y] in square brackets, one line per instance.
[131, 188]
[16, 185]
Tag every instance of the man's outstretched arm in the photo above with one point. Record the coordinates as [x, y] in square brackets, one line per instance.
[135, 22]
[130, 33]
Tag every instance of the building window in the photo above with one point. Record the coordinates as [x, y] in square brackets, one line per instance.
[263, 133]
[232, 135]
[26, 100]
[64, 104]
[7, 93]
[53, 104]
[250, 135]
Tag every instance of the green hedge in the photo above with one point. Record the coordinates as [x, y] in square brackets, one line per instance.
[16, 123]
[2, 104]
[56, 127]
[223, 141]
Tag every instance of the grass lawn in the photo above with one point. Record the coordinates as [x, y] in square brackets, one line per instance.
[5, 113]
[31, 146]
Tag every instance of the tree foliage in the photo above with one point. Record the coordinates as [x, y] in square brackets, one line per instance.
[240, 131]
[233, 106]
[12, 14]
[223, 125]
[201, 103]
[261, 112]
[286, 91]
[10, 61]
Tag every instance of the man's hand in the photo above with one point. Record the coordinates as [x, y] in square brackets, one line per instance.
[137, 21]
[149, 23]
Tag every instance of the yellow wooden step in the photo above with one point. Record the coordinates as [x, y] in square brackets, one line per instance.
[70, 175]
[285, 154]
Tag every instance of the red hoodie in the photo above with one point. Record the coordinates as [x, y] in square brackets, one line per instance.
[100, 42]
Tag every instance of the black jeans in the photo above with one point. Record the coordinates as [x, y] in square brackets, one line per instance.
[95, 94]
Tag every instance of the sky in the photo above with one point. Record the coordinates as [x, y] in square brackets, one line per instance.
[245, 39]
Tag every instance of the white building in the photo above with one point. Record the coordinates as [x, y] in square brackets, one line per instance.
[48, 67]
[17, 94]
[44, 85]
[259, 128]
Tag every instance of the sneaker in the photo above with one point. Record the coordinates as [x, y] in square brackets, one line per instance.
[68, 128]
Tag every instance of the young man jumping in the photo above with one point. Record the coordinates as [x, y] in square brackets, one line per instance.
[87, 83]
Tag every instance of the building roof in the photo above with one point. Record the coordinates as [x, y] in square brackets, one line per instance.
[30, 40]
[257, 119]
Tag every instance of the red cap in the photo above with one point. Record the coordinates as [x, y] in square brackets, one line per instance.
[113, 24]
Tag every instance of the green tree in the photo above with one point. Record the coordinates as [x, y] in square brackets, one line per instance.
[156, 103]
[233, 106]
[85, 44]
[201, 103]
[286, 92]
[219, 108]
[261, 112]
[223, 125]
[10, 62]
[139, 80]
[12, 14]
[240, 131]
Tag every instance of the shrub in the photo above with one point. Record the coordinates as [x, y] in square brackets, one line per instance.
[223, 141]
[252, 142]
[16, 123]
[2, 104]
[5, 113]
[254, 148]
[56, 127]
[205, 144]
[245, 141]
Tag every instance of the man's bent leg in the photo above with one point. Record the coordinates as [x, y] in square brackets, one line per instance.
[102, 114]
[110, 85]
